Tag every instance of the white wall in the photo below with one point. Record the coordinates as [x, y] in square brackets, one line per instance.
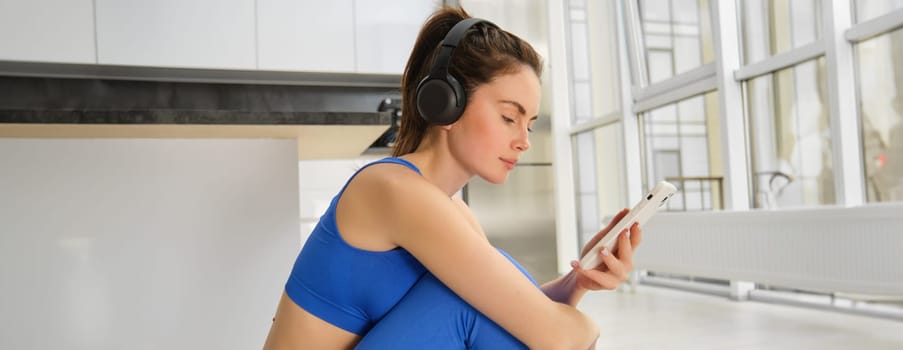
[144, 244]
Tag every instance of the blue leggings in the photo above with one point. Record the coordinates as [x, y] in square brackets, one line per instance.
[431, 316]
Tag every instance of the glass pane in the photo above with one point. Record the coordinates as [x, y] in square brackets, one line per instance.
[594, 69]
[682, 145]
[604, 53]
[599, 183]
[677, 35]
[868, 9]
[587, 192]
[581, 90]
[774, 26]
[583, 103]
[881, 109]
[790, 137]
[580, 52]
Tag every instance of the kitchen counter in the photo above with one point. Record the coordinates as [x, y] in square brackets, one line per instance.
[336, 119]
[193, 117]
[320, 135]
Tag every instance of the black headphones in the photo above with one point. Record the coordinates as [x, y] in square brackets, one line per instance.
[440, 97]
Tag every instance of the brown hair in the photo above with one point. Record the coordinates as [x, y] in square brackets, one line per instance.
[482, 55]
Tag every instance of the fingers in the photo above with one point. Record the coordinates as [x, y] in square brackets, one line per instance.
[636, 236]
[617, 218]
[628, 243]
[611, 273]
[615, 268]
[603, 232]
[618, 267]
[598, 279]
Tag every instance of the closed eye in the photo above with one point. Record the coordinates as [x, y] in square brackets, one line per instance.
[511, 121]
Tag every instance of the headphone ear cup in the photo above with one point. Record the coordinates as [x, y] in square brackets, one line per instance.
[439, 101]
[460, 99]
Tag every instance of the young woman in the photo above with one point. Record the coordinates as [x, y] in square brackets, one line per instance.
[399, 261]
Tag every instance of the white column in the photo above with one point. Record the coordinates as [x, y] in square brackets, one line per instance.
[733, 131]
[562, 165]
[849, 180]
[633, 175]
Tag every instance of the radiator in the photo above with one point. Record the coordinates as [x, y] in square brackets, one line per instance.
[850, 250]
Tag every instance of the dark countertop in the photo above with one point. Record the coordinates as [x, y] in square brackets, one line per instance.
[193, 117]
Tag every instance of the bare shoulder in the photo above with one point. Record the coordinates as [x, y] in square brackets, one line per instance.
[392, 184]
[377, 197]
[387, 182]
[387, 174]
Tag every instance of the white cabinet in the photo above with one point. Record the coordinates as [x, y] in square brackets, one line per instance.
[177, 33]
[47, 31]
[362, 36]
[346, 36]
[305, 35]
[385, 32]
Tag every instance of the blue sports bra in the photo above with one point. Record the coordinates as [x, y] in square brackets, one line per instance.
[349, 287]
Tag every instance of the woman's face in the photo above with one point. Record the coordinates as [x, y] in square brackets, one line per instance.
[494, 130]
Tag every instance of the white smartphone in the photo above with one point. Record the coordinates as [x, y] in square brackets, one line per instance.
[640, 213]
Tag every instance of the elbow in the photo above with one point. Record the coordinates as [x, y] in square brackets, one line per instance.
[567, 344]
[580, 337]
[583, 342]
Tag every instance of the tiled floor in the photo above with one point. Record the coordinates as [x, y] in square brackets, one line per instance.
[662, 318]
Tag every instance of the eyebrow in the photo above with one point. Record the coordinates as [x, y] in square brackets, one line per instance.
[520, 108]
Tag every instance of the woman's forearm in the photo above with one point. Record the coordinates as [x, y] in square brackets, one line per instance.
[564, 289]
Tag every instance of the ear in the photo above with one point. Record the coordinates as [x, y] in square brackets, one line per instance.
[448, 127]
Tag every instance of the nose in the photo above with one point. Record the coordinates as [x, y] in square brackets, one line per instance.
[522, 142]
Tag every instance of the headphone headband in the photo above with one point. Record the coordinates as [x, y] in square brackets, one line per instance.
[450, 42]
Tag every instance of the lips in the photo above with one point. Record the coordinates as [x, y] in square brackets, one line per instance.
[510, 163]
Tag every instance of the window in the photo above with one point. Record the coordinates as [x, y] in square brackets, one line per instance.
[594, 60]
[677, 36]
[790, 137]
[580, 65]
[596, 138]
[881, 111]
[682, 145]
[778, 115]
[869, 9]
[599, 183]
[775, 26]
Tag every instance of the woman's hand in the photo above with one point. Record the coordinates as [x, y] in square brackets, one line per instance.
[615, 265]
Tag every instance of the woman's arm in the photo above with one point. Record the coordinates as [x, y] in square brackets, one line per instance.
[570, 288]
[427, 223]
